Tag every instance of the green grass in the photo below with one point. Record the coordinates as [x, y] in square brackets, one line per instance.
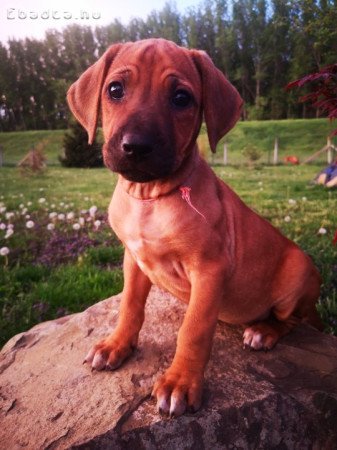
[83, 187]
[33, 289]
[296, 137]
[31, 292]
[17, 143]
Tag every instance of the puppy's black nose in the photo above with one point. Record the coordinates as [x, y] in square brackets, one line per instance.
[135, 146]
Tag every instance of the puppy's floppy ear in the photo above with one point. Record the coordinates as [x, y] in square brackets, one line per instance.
[84, 95]
[221, 101]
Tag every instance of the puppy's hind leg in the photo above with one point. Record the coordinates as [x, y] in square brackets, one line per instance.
[306, 309]
[265, 334]
[294, 309]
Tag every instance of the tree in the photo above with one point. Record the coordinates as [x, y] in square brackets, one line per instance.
[245, 69]
[323, 90]
[110, 34]
[279, 58]
[77, 151]
[78, 50]
[259, 44]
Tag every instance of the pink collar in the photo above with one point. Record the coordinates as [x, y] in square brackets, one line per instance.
[186, 195]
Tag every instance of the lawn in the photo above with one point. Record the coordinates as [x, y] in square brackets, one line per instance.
[296, 137]
[63, 256]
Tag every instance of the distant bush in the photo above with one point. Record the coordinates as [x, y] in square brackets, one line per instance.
[35, 161]
[77, 151]
[252, 153]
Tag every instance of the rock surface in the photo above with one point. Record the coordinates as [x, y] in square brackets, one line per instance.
[283, 399]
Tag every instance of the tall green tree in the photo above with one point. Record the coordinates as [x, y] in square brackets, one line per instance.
[165, 23]
[79, 50]
[280, 56]
[110, 34]
[259, 44]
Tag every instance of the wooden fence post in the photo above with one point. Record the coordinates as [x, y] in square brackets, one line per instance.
[275, 160]
[225, 154]
[329, 152]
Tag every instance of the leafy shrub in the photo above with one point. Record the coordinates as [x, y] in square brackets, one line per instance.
[77, 151]
[252, 154]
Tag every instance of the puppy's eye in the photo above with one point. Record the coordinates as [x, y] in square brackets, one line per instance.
[116, 90]
[181, 98]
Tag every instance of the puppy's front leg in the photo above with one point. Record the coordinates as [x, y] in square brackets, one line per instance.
[112, 351]
[181, 386]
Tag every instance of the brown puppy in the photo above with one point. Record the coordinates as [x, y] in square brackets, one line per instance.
[183, 229]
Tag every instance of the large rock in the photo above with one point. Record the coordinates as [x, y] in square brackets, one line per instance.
[283, 399]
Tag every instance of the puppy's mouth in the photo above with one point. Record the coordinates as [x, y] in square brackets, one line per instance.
[138, 157]
[139, 176]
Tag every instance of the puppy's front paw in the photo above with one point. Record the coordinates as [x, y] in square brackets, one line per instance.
[108, 354]
[178, 391]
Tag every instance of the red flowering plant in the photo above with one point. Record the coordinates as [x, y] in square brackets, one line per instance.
[334, 241]
[322, 95]
[323, 90]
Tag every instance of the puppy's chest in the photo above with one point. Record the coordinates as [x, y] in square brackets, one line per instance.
[152, 239]
[159, 260]
[144, 251]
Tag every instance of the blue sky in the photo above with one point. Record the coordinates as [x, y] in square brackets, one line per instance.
[31, 18]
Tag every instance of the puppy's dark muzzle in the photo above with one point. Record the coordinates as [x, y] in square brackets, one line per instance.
[136, 148]
[140, 155]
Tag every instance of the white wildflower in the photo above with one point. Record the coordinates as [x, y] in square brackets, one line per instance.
[42, 200]
[2, 226]
[81, 221]
[70, 215]
[50, 227]
[9, 215]
[322, 230]
[10, 226]
[4, 251]
[29, 204]
[76, 226]
[97, 224]
[304, 199]
[2, 209]
[287, 219]
[52, 215]
[93, 210]
[9, 233]
[292, 202]
[30, 224]
[61, 216]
